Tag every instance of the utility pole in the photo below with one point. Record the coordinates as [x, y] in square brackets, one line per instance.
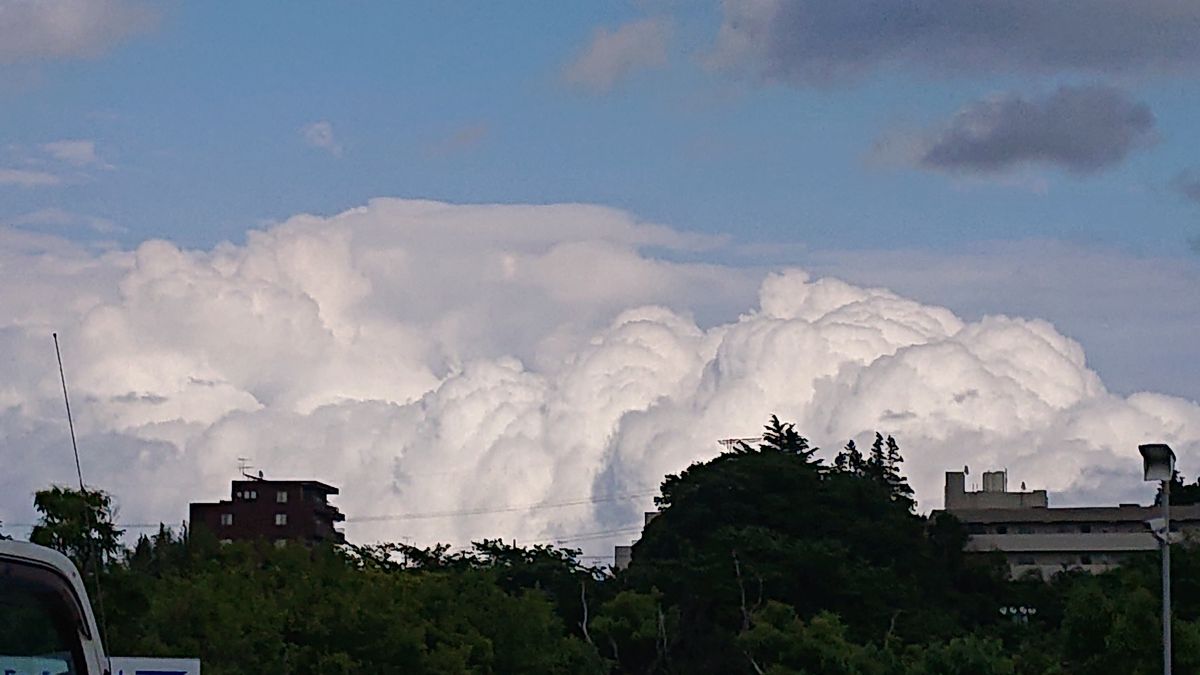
[1166, 576]
[1158, 464]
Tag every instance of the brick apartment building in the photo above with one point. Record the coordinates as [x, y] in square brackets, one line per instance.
[272, 510]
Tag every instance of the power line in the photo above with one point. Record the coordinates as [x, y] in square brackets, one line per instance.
[588, 535]
[127, 526]
[500, 509]
[429, 515]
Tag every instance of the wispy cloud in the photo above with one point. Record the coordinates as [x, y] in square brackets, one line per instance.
[28, 179]
[75, 152]
[320, 135]
[613, 56]
[462, 140]
[60, 218]
[63, 29]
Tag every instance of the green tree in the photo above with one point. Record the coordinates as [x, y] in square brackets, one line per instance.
[635, 631]
[783, 437]
[748, 528]
[79, 524]
[850, 460]
[1182, 493]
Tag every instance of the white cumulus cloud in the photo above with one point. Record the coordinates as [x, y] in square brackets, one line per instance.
[450, 367]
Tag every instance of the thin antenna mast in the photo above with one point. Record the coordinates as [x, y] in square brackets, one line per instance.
[83, 492]
[70, 421]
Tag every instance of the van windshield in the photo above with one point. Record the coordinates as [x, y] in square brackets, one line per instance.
[39, 622]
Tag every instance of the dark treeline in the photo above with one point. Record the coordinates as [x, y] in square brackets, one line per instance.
[763, 560]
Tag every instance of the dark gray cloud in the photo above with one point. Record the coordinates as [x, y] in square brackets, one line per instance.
[1187, 183]
[1080, 129]
[826, 41]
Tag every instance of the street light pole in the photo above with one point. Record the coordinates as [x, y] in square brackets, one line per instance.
[1158, 462]
[1166, 576]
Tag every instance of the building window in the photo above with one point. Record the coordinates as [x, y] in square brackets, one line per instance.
[251, 494]
[281, 496]
[1085, 560]
[1024, 529]
[1085, 528]
[1026, 560]
[227, 519]
[281, 519]
[1001, 529]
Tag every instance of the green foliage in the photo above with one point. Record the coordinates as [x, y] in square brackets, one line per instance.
[752, 527]
[1182, 493]
[761, 561]
[633, 630]
[78, 524]
[249, 609]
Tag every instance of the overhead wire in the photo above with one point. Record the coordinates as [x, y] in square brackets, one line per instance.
[507, 508]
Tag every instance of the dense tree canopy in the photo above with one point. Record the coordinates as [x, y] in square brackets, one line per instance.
[765, 559]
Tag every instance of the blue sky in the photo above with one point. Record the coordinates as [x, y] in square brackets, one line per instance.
[202, 116]
[198, 122]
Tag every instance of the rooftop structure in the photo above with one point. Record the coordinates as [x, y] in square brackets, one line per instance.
[1035, 537]
[272, 510]
[623, 555]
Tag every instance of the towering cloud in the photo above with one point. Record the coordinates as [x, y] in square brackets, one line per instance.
[516, 371]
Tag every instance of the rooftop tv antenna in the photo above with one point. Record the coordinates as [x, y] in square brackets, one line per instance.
[244, 467]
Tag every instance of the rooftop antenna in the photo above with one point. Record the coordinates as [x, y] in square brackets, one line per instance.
[62, 377]
[244, 467]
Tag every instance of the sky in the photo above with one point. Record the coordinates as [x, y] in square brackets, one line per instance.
[479, 256]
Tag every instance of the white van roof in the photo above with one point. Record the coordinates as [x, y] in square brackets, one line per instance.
[25, 552]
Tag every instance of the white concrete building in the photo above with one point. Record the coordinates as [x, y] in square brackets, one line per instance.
[1037, 538]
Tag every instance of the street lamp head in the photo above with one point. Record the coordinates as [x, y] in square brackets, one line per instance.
[1158, 461]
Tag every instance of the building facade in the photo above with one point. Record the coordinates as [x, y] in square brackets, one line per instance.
[1037, 538]
[272, 510]
[623, 555]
